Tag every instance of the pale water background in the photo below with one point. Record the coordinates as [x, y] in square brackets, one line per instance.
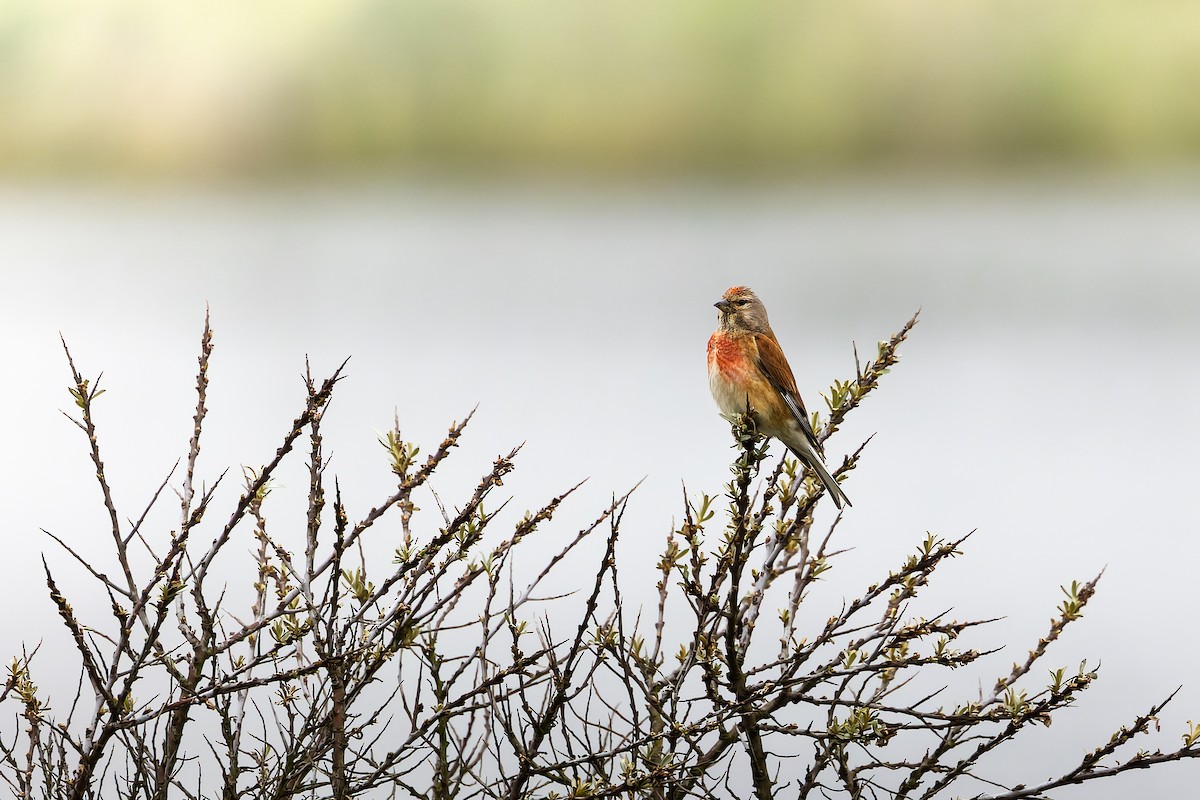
[1048, 397]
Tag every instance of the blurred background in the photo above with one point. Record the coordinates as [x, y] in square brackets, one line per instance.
[598, 89]
[532, 207]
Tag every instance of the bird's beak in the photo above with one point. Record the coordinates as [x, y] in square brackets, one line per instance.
[724, 305]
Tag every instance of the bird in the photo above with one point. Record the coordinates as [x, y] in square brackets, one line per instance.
[747, 370]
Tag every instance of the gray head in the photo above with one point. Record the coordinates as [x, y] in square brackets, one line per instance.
[741, 310]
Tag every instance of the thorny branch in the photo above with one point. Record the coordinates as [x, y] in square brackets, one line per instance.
[397, 653]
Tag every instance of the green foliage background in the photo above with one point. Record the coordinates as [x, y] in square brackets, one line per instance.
[674, 86]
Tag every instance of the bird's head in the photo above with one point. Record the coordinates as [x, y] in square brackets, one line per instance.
[741, 310]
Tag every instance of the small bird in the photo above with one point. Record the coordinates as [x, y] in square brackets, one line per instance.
[747, 369]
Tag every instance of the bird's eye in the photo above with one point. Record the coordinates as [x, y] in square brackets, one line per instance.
[740, 302]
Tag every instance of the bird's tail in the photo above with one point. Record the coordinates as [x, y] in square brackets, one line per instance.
[835, 491]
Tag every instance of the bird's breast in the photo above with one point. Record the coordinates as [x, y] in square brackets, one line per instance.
[729, 373]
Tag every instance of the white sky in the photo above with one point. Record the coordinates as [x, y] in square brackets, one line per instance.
[1047, 398]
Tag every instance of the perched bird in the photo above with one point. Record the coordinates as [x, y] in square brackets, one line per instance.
[747, 369]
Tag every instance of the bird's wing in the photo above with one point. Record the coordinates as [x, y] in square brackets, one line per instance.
[774, 366]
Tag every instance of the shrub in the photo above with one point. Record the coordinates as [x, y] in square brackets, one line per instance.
[439, 672]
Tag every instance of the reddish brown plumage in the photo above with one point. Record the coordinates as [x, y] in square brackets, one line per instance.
[775, 365]
[725, 353]
[748, 370]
